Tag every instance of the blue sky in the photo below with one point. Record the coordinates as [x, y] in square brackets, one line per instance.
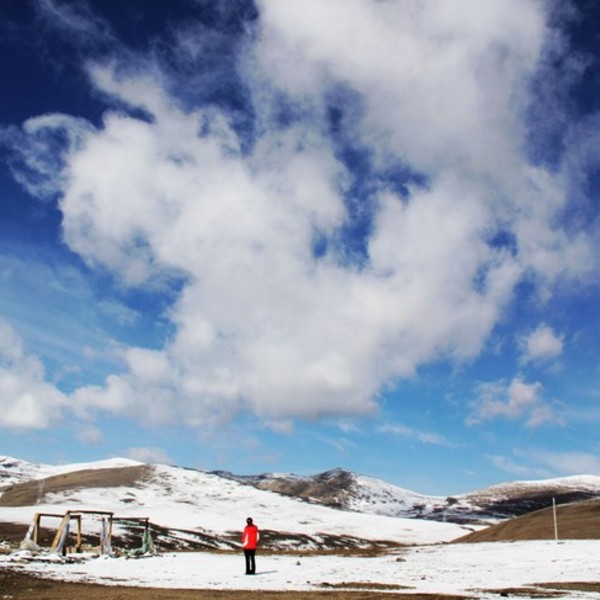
[282, 236]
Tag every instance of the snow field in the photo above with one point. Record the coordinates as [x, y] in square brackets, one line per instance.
[448, 568]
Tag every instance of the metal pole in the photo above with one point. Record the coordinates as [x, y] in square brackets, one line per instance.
[555, 521]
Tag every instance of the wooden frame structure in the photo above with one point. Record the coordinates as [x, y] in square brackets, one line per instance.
[108, 519]
[66, 519]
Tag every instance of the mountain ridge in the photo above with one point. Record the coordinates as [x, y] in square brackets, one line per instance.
[352, 491]
[336, 488]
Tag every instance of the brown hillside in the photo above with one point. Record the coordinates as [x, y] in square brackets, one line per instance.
[330, 488]
[30, 493]
[576, 521]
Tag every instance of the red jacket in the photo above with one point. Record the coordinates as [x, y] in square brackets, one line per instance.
[250, 537]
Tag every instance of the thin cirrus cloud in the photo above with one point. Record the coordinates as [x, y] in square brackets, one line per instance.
[425, 437]
[263, 322]
[543, 464]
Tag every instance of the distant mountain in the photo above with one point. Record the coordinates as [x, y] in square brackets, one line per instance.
[521, 497]
[343, 489]
[13, 470]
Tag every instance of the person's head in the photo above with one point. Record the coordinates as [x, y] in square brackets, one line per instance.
[249, 520]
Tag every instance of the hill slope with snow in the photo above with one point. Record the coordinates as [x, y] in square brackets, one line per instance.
[14, 470]
[194, 509]
[346, 490]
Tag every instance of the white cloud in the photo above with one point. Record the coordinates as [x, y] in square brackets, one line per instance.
[440, 83]
[149, 455]
[261, 323]
[517, 400]
[443, 89]
[542, 344]
[27, 401]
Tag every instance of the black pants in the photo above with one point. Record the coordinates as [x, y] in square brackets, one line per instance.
[249, 555]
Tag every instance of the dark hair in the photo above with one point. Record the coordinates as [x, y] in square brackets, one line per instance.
[249, 521]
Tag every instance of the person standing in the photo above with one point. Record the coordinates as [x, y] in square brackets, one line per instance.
[250, 539]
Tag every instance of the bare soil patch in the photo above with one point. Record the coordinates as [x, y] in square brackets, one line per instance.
[527, 592]
[549, 590]
[17, 585]
[576, 586]
[20, 586]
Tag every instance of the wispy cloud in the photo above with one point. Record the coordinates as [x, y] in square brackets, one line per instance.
[342, 446]
[89, 435]
[568, 463]
[75, 22]
[425, 437]
[544, 464]
[57, 311]
[518, 467]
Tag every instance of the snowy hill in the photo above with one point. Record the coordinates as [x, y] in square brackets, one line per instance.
[197, 509]
[13, 470]
[194, 509]
[343, 489]
[346, 490]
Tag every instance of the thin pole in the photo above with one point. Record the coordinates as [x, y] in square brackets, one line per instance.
[555, 521]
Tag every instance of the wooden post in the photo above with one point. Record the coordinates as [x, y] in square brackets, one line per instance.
[58, 535]
[78, 548]
[555, 520]
[36, 527]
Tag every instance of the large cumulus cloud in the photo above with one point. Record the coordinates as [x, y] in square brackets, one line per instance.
[275, 315]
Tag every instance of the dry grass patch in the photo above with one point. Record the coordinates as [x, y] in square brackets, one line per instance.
[31, 493]
[576, 521]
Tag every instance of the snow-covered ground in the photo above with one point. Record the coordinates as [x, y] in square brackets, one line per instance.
[194, 500]
[448, 568]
